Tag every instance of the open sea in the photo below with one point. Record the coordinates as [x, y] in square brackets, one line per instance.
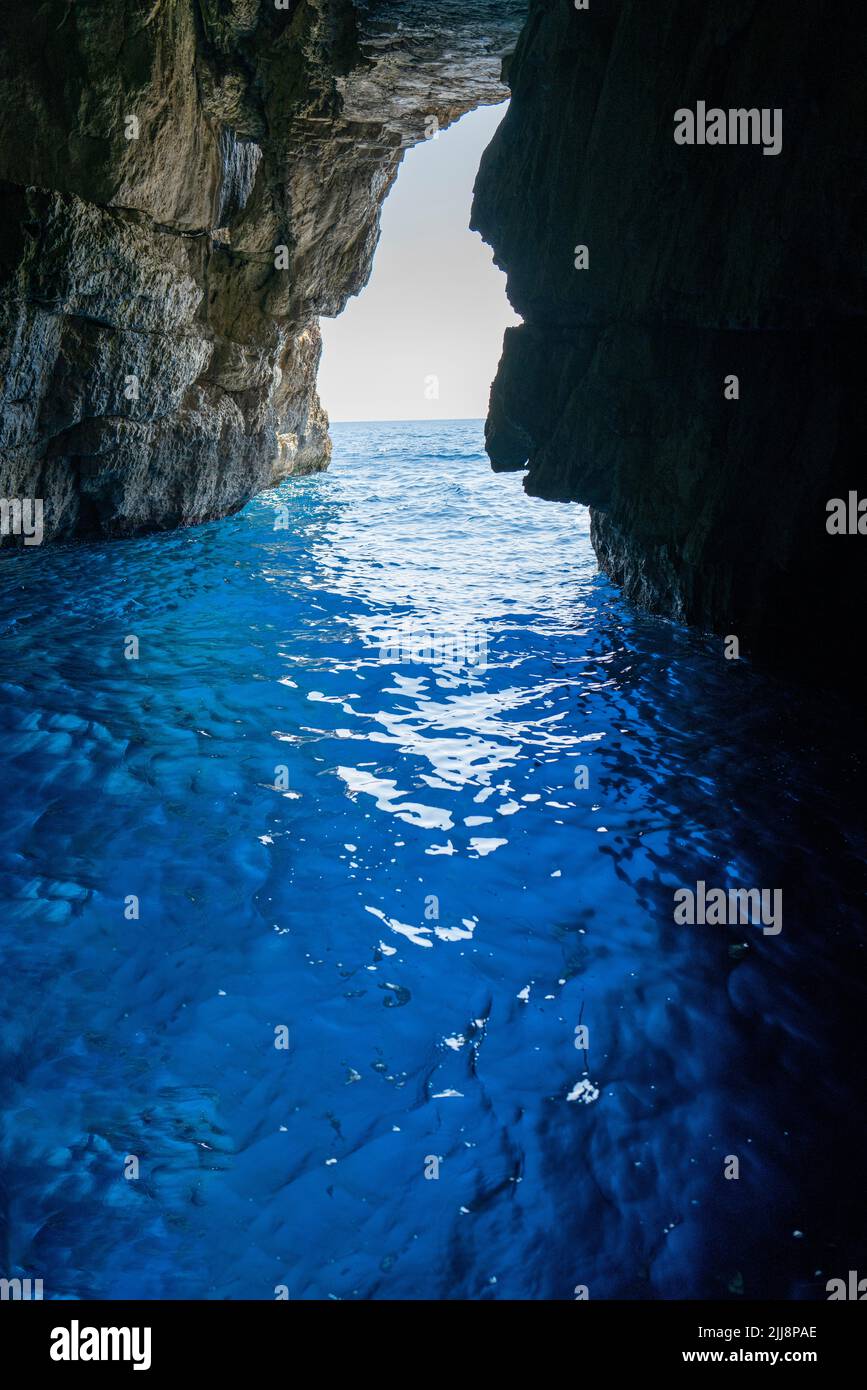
[324, 829]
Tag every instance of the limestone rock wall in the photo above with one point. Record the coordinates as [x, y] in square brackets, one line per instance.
[158, 353]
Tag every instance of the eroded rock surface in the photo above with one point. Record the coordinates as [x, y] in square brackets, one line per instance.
[704, 262]
[158, 354]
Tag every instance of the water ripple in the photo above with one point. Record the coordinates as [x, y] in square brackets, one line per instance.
[403, 865]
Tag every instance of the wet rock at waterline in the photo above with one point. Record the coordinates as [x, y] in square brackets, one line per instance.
[185, 189]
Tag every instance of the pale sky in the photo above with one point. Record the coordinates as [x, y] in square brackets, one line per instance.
[435, 305]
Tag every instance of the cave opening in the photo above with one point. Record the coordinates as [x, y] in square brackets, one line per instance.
[393, 882]
[423, 339]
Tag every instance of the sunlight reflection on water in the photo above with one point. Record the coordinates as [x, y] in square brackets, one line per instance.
[399, 864]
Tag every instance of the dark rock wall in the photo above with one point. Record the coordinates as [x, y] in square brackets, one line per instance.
[704, 262]
[157, 367]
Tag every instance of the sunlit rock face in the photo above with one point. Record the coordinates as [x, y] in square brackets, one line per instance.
[158, 348]
[704, 262]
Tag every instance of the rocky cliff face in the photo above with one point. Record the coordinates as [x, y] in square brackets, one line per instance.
[705, 262]
[186, 186]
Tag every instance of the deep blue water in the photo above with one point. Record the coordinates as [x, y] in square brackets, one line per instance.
[306, 899]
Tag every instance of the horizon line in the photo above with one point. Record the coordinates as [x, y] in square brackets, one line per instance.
[412, 420]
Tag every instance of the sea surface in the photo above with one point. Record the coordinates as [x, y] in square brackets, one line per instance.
[300, 917]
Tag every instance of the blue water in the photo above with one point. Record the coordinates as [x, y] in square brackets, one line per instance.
[428, 904]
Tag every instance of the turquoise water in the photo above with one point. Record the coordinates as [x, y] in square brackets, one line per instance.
[392, 862]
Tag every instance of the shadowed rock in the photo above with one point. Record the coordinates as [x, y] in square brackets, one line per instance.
[705, 262]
